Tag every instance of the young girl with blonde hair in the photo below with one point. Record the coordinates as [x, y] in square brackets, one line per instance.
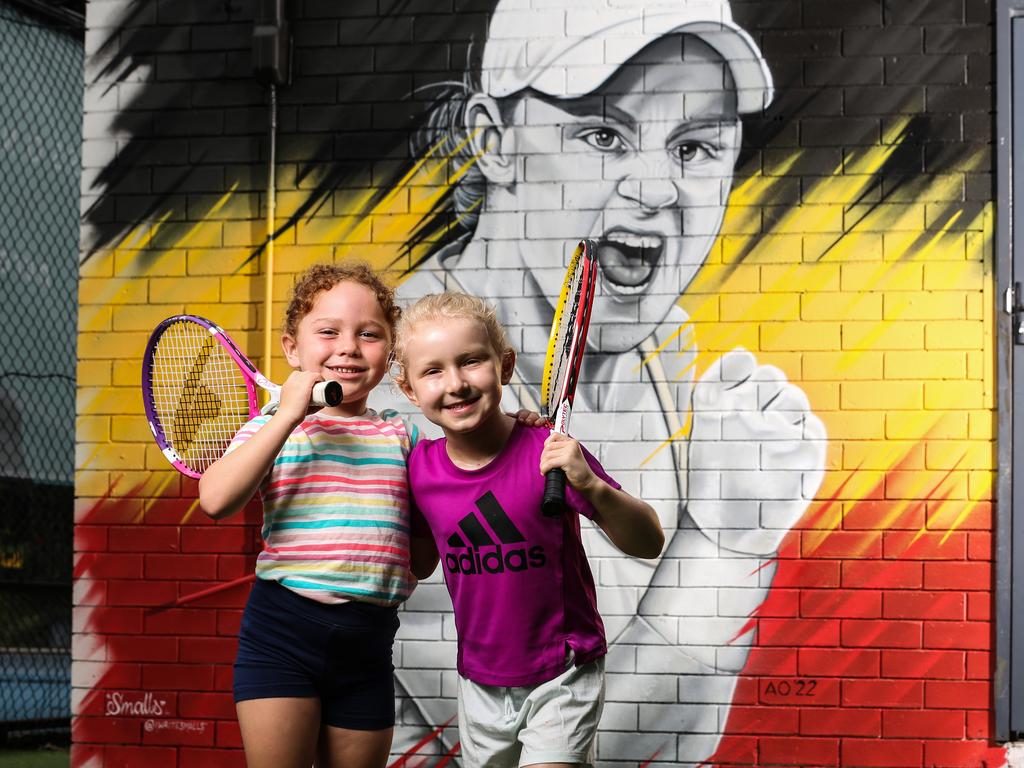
[531, 642]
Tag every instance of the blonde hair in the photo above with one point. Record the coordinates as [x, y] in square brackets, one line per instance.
[323, 277]
[436, 307]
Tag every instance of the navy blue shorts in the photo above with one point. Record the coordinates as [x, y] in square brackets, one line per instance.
[290, 645]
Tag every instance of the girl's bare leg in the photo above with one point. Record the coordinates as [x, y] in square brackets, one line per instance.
[279, 733]
[346, 748]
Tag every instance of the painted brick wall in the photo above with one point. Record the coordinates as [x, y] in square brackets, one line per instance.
[828, 611]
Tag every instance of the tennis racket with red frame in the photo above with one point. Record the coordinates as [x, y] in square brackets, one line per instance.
[564, 359]
[199, 390]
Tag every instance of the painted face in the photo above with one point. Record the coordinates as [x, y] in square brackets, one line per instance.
[345, 337]
[455, 376]
[643, 166]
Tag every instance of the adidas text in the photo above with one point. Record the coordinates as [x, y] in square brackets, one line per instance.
[472, 562]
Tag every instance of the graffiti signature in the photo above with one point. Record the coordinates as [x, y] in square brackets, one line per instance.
[119, 704]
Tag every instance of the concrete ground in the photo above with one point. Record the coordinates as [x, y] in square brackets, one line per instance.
[1015, 755]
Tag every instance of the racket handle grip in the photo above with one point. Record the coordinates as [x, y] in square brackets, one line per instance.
[326, 393]
[553, 503]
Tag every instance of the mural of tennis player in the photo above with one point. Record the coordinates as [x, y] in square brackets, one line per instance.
[625, 127]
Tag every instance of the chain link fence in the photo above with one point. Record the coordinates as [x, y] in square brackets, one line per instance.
[40, 152]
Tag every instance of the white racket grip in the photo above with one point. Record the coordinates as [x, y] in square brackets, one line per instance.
[325, 393]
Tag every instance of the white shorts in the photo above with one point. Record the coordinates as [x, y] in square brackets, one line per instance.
[552, 722]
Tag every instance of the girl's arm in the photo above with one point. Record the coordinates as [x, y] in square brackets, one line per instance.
[631, 524]
[423, 553]
[233, 479]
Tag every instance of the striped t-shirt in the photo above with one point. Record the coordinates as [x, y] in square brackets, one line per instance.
[336, 508]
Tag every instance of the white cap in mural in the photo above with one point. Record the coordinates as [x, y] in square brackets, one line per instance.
[565, 51]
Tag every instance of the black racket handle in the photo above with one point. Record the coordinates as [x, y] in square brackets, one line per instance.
[554, 493]
[326, 393]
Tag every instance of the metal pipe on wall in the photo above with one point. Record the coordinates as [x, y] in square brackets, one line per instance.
[271, 51]
[268, 252]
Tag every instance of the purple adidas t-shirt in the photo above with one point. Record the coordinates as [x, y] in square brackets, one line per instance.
[520, 582]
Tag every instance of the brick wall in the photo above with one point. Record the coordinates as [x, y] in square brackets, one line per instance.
[823, 604]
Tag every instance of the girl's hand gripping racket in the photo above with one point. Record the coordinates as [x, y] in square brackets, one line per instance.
[199, 390]
[564, 359]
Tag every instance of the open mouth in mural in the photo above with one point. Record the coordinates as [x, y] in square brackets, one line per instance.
[628, 259]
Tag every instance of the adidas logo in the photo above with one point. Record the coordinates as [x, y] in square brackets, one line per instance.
[504, 557]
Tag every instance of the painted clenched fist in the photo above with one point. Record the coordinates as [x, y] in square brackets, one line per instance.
[756, 454]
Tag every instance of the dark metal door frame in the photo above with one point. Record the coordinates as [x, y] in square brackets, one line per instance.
[1008, 696]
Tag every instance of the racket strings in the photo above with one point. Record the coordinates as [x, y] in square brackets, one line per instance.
[557, 363]
[199, 395]
[197, 403]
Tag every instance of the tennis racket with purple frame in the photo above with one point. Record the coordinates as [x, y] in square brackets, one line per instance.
[564, 359]
[199, 390]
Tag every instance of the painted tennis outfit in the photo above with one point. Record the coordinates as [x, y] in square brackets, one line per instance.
[530, 639]
[322, 616]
